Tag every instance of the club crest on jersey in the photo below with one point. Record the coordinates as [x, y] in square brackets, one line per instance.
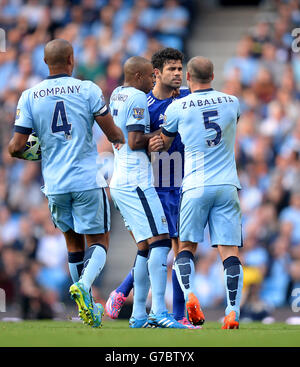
[17, 114]
[164, 118]
[164, 220]
[138, 113]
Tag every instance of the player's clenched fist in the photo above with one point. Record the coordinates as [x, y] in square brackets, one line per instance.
[155, 144]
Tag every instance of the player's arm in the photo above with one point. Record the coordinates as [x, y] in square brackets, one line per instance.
[167, 140]
[155, 144]
[137, 120]
[139, 140]
[17, 144]
[22, 128]
[102, 115]
[170, 127]
[111, 130]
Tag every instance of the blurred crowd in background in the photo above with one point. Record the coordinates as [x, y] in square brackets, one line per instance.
[264, 74]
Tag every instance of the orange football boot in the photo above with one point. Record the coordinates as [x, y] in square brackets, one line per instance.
[194, 312]
[230, 321]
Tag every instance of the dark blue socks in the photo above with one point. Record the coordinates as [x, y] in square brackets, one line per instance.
[178, 297]
[75, 260]
[127, 284]
[185, 270]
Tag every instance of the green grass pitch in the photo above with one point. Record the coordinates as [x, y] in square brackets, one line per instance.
[117, 334]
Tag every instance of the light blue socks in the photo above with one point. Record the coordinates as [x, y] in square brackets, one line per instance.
[94, 261]
[157, 267]
[141, 285]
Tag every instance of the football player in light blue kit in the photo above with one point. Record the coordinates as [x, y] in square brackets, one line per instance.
[61, 110]
[134, 194]
[206, 121]
[167, 65]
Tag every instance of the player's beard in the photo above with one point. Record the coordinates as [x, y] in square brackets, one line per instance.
[176, 83]
[172, 85]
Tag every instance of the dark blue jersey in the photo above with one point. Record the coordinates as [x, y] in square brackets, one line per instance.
[157, 108]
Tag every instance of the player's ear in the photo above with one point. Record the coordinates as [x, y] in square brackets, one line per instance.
[45, 61]
[188, 76]
[71, 59]
[213, 76]
[138, 75]
[156, 72]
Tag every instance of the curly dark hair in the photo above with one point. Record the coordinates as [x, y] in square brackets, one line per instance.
[161, 57]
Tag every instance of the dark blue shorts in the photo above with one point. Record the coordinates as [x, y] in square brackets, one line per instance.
[170, 202]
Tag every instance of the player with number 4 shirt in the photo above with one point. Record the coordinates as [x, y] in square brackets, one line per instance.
[61, 110]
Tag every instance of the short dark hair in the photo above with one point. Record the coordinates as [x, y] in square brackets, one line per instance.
[161, 57]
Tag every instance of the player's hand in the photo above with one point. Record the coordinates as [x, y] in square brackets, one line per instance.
[118, 146]
[155, 144]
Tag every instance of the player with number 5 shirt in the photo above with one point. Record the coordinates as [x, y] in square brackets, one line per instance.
[206, 121]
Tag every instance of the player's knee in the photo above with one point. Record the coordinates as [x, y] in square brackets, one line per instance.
[142, 246]
[160, 237]
[187, 246]
[102, 238]
[164, 242]
[228, 251]
[74, 241]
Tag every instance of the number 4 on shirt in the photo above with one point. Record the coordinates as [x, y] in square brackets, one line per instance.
[60, 120]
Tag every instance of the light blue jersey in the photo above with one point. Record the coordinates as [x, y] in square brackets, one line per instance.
[61, 111]
[132, 169]
[131, 186]
[206, 121]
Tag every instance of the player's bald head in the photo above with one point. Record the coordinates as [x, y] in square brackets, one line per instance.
[58, 52]
[200, 69]
[138, 73]
[134, 65]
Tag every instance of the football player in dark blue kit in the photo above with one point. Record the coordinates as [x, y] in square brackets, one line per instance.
[167, 168]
